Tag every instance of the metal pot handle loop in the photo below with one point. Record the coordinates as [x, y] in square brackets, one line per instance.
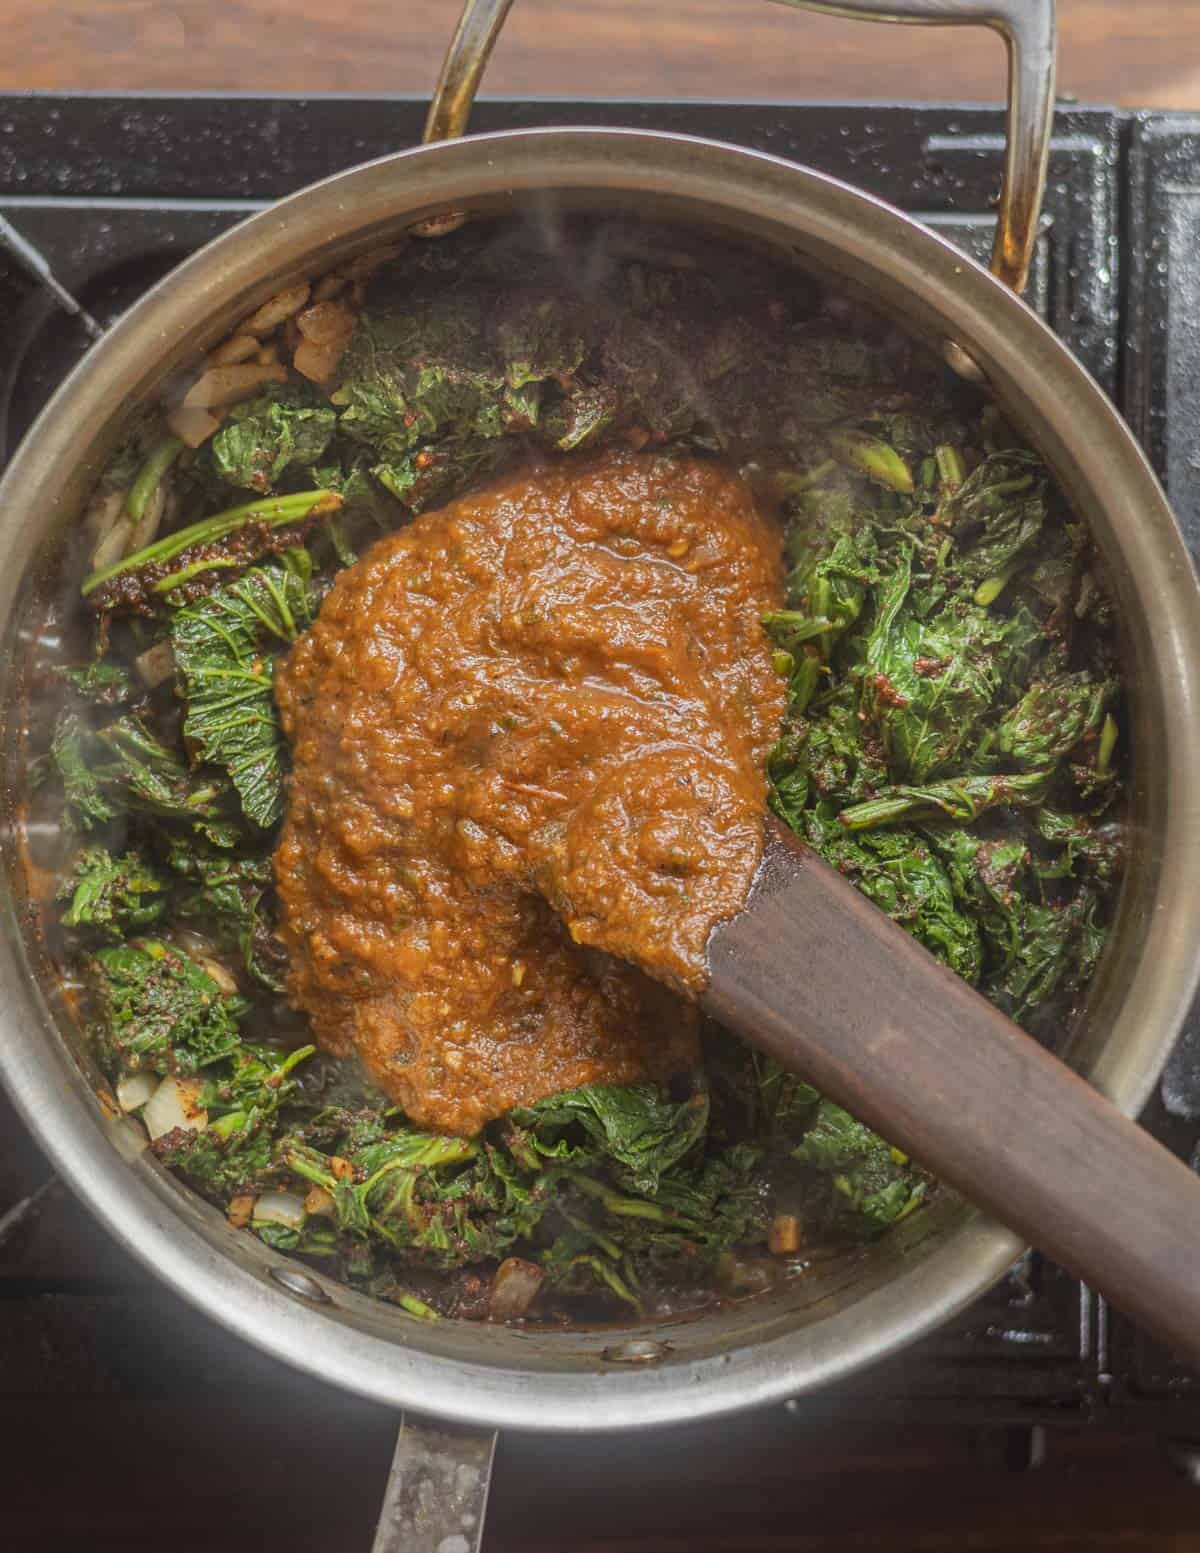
[1027, 27]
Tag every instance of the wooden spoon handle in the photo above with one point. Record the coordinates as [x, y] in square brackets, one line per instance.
[815, 975]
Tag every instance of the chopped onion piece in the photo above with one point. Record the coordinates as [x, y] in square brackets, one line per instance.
[112, 547]
[240, 1209]
[318, 363]
[221, 974]
[239, 347]
[326, 323]
[145, 528]
[783, 1236]
[227, 385]
[191, 942]
[271, 314]
[175, 1104]
[156, 665]
[134, 1089]
[103, 511]
[514, 1288]
[194, 427]
[280, 1208]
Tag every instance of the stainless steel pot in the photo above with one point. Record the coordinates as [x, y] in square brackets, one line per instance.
[845, 1317]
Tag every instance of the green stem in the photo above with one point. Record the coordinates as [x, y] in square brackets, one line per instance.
[873, 458]
[960, 798]
[627, 1207]
[292, 1060]
[415, 1307]
[274, 511]
[803, 682]
[303, 1163]
[877, 811]
[950, 466]
[225, 1126]
[789, 484]
[149, 476]
[196, 569]
[1108, 743]
[990, 589]
[608, 1274]
[799, 627]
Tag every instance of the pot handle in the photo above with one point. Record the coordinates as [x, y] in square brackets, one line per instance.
[437, 1489]
[1027, 27]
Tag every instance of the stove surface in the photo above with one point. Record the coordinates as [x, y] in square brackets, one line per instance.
[114, 192]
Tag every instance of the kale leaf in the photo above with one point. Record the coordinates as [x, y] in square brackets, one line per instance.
[222, 645]
[235, 1153]
[87, 804]
[124, 769]
[636, 1127]
[1059, 709]
[228, 893]
[901, 873]
[873, 1184]
[112, 896]
[106, 684]
[284, 428]
[995, 516]
[929, 683]
[160, 1010]
[418, 375]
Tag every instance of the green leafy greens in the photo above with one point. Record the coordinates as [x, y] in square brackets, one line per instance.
[281, 429]
[949, 736]
[952, 744]
[112, 896]
[162, 1010]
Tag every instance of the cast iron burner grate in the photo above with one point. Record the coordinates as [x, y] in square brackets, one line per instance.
[114, 192]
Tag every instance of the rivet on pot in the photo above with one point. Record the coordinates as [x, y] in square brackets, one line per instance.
[301, 1285]
[637, 1350]
[962, 362]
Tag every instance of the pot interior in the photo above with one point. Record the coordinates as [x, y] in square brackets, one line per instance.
[843, 1311]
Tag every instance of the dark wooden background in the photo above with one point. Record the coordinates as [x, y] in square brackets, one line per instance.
[1143, 53]
[249, 1474]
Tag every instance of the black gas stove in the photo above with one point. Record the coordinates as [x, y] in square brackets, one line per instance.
[112, 192]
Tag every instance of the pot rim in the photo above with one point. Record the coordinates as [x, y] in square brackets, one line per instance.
[352, 210]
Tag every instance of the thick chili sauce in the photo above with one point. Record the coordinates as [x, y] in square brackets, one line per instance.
[528, 736]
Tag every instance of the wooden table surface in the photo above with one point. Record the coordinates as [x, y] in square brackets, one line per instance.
[1136, 54]
[866, 1493]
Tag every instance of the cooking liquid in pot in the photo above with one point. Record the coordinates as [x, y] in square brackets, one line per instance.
[530, 726]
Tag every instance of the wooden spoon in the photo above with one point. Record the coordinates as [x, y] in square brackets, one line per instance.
[886, 1030]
